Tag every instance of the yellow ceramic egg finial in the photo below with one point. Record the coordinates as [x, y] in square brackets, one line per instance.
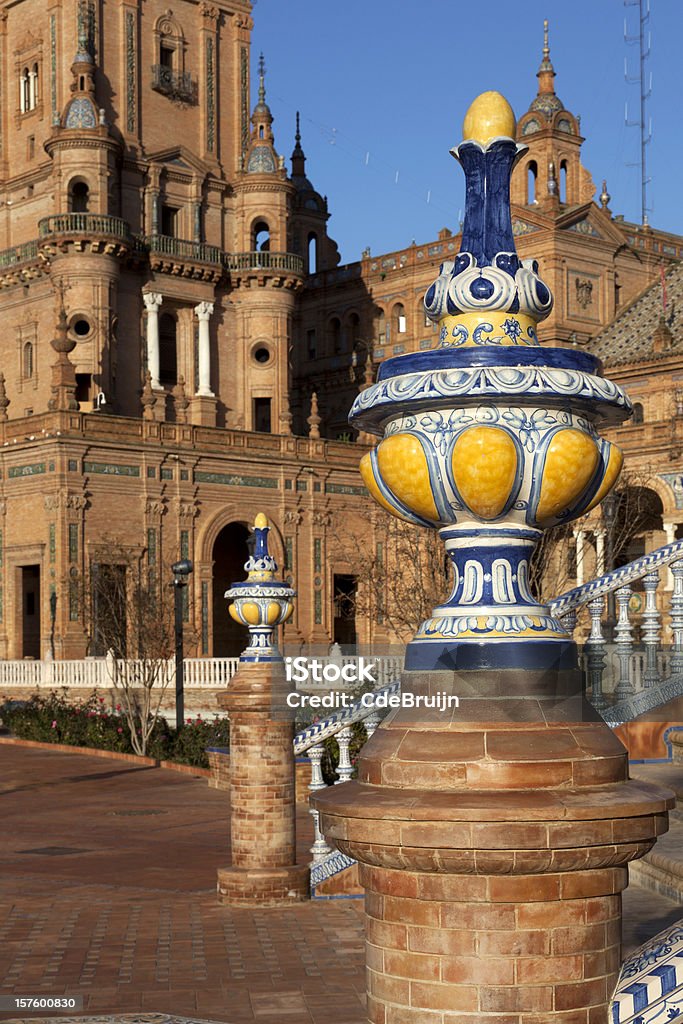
[490, 116]
[261, 521]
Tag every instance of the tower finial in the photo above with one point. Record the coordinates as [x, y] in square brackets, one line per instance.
[261, 79]
[546, 67]
[297, 137]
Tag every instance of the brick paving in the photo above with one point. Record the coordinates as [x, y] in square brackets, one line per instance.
[107, 890]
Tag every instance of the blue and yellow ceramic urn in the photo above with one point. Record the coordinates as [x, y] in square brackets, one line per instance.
[490, 438]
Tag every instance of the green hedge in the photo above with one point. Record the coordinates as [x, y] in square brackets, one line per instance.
[52, 719]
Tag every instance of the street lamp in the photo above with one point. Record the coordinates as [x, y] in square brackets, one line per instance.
[181, 570]
[610, 507]
[53, 616]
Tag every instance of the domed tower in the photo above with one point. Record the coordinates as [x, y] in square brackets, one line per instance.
[83, 239]
[265, 279]
[551, 172]
[310, 215]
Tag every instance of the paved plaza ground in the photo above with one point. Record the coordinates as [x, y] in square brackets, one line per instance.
[107, 890]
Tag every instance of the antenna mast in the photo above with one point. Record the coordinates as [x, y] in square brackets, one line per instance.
[644, 126]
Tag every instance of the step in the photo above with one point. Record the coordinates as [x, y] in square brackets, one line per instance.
[661, 870]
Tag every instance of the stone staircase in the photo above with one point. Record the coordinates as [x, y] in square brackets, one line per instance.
[661, 870]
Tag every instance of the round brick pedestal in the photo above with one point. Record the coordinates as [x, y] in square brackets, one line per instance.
[262, 792]
[493, 841]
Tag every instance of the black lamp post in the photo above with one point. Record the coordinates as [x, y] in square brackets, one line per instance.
[53, 616]
[181, 570]
[610, 507]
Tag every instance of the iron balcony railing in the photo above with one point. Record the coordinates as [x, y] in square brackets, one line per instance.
[263, 261]
[183, 249]
[19, 253]
[83, 224]
[176, 84]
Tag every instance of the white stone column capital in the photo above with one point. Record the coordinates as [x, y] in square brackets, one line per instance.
[204, 310]
[152, 301]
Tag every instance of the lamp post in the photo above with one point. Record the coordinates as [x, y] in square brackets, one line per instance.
[610, 507]
[53, 616]
[181, 570]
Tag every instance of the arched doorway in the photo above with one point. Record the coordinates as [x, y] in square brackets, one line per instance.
[230, 552]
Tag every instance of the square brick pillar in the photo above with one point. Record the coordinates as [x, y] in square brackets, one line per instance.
[493, 842]
[264, 871]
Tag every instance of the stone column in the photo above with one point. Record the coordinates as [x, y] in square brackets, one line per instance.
[493, 841]
[599, 551]
[204, 311]
[579, 539]
[670, 531]
[152, 301]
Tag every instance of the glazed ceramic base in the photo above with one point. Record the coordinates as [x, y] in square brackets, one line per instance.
[425, 655]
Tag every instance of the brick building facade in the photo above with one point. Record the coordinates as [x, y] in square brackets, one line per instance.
[202, 303]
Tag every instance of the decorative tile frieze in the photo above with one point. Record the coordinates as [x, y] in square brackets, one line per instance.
[32, 469]
[110, 469]
[234, 480]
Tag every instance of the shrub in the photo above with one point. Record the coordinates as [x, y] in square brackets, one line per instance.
[52, 719]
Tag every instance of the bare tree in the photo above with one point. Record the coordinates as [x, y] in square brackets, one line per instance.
[402, 570]
[131, 621]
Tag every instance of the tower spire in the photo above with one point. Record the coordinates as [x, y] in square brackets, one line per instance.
[261, 79]
[546, 71]
[298, 155]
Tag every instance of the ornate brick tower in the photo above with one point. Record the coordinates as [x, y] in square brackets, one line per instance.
[551, 173]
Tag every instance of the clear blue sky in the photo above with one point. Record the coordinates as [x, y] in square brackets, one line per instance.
[383, 88]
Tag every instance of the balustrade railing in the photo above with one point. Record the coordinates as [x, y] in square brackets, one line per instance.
[627, 678]
[83, 224]
[19, 253]
[263, 261]
[310, 741]
[183, 248]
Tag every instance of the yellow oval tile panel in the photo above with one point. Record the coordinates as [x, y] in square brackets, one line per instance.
[484, 469]
[368, 474]
[403, 467]
[614, 463]
[570, 462]
[250, 613]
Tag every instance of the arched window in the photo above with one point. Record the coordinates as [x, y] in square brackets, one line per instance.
[33, 87]
[531, 181]
[399, 323]
[312, 253]
[563, 181]
[168, 350]
[261, 237]
[28, 360]
[638, 414]
[24, 91]
[79, 197]
[353, 329]
[335, 335]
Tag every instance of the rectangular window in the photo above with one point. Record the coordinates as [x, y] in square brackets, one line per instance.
[401, 325]
[169, 220]
[262, 415]
[311, 344]
[151, 547]
[166, 56]
[73, 542]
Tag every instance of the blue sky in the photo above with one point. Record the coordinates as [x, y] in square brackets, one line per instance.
[383, 88]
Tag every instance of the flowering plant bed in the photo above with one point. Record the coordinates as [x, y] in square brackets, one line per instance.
[52, 719]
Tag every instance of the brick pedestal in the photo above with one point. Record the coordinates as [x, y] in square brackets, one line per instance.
[493, 841]
[262, 793]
